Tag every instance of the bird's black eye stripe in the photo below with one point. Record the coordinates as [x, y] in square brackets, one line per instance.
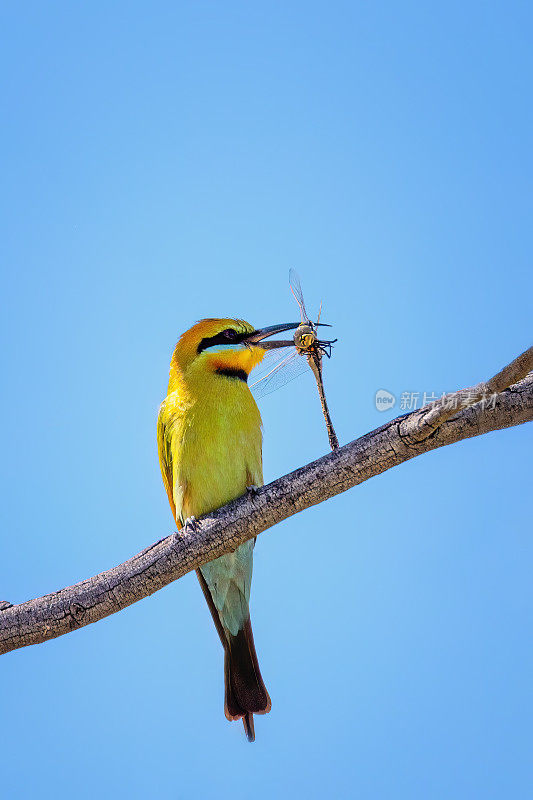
[229, 336]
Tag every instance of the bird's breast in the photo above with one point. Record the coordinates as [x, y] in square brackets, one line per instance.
[216, 447]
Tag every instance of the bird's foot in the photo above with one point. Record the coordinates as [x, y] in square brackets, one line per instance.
[252, 490]
[190, 526]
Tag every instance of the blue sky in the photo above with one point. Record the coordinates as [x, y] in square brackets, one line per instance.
[168, 161]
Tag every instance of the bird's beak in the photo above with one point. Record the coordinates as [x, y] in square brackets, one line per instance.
[258, 337]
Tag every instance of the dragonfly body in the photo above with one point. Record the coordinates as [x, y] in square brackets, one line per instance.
[307, 343]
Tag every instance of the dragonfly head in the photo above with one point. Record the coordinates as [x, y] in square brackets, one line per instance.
[306, 340]
[304, 337]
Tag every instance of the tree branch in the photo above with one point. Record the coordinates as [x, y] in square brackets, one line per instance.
[423, 423]
[222, 531]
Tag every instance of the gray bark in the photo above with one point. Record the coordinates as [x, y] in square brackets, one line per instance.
[470, 412]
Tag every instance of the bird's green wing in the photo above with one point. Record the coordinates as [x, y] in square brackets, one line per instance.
[165, 458]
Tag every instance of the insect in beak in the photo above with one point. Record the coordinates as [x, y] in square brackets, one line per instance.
[258, 337]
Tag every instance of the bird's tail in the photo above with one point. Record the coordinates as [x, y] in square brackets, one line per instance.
[246, 693]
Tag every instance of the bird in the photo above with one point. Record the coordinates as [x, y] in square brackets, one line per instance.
[209, 435]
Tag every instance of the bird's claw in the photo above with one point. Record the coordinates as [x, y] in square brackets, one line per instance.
[252, 490]
[190, 525]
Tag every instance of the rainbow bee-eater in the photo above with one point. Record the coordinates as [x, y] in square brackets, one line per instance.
[209, 439]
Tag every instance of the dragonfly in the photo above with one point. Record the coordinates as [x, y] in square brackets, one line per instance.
[305, 351]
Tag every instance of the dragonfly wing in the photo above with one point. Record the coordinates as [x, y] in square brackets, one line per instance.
[296, 289]
[277, 369]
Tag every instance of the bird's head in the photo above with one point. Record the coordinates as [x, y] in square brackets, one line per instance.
[227, 347]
